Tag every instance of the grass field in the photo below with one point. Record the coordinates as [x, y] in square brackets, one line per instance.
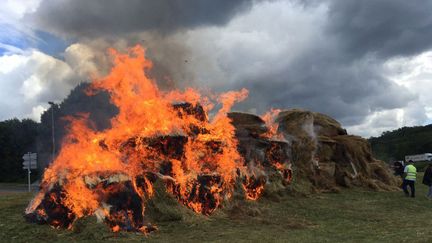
[350, 216]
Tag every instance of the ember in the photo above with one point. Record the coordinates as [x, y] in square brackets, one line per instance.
[156, 135]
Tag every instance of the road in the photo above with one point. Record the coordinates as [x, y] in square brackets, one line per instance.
[14, 187]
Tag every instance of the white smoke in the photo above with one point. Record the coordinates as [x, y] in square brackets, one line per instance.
[311, 130]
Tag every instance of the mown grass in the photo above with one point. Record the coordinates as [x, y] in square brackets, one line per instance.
[353, 215]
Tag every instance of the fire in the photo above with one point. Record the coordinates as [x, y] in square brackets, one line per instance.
[156, 135]
[270, 121]
[253, 187]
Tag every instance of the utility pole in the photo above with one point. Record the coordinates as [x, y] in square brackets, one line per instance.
[52, 129]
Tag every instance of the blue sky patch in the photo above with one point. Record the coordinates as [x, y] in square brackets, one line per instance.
[51, 44]
[11, 36]
[13, 40]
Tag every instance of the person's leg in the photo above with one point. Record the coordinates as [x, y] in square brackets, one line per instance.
[412, 186]
[404, 187]
[430, 191]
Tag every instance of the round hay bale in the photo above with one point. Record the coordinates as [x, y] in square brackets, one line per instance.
[247, 123]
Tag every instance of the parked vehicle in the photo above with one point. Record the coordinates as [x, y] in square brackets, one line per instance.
[421, 161]
[419, 157]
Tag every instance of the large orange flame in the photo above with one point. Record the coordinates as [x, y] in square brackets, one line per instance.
[144, 137]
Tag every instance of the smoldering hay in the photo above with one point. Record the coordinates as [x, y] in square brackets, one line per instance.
[195, 147]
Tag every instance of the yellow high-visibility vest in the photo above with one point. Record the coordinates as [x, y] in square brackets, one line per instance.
[411, 172]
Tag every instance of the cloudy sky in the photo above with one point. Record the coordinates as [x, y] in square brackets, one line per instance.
[367, 63]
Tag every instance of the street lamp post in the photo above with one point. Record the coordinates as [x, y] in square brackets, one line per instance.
[52, 129]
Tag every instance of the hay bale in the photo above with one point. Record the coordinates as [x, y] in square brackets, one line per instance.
[325, 151]
[344, 160]
[291, 120]
[327, 126]
[247, 124]
[329, 168]
[380, 171]
[164, 207]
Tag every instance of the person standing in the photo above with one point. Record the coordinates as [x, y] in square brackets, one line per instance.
[410, 174]
[427, 179]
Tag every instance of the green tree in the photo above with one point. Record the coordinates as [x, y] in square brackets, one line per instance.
[16, 138]
[396, 144]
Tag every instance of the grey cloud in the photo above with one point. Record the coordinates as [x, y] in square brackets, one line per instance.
[337, 65]
[326, 56]
[384, 27]
[333, 89]
[79, 18]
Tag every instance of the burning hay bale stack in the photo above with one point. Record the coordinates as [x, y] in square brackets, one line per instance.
[163, 146]
[156, 136]
[327, 156]
[120, 199]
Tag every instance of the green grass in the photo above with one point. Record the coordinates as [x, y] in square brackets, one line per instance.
[350, 216]
[422, 165]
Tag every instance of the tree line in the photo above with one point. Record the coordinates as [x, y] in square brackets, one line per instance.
[18, 137]
[396, 144]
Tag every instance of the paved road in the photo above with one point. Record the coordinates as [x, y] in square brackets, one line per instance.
[14, 188]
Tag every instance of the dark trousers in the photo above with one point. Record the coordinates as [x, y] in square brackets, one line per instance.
[411, 184]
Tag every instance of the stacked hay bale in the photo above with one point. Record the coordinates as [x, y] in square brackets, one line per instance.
[328, 157]
[267, 158]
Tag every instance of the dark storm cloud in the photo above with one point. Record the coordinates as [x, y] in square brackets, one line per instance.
[327, 56]
[321, 82]
[385, 27]
[340, 73]
[116, 17]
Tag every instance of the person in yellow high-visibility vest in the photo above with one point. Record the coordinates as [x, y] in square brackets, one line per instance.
[410, 175]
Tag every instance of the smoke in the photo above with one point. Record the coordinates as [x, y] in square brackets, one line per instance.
[82, 18]
[386, 28]
[327, 56]
[33, 76]
[311, 131]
